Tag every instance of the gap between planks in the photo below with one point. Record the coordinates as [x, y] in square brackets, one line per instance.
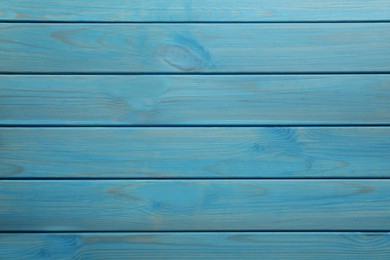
[189, 22]
[187, 125]
[107, 73]
[192, 178]
[376, 231]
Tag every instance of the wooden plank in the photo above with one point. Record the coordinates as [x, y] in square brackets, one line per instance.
[195, 152]
[237, 245]
[299, 47]
[201, 99]
[194, 205]
[186, 10]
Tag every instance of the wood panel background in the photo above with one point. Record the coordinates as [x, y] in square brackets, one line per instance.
[194, 11]
[201, 152]
[194, 129]
[193, 100]
[196, 205]
[189, 48]
[200, 245]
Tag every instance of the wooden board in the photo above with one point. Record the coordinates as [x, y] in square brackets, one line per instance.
[186, 10]
[195, 129]
[189, 48]
[195, 205]
[238, 245]
[190, 100]
[199, 152]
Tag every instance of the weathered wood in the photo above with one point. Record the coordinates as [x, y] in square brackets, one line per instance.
[195, 152]
[202, 205]
[178, 99]
[186, 10]
[329, 47]
[202, 185]
[237, 245]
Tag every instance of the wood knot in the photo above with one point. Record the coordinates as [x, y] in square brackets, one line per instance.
[184, 54]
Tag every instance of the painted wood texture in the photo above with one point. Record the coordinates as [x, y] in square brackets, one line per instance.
[201, 205]
[237, 245]
[186, 10]
[190, 100]
[195, 152]
[106, 152]
[300, 47]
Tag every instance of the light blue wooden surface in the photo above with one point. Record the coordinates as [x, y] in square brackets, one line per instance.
[200, 152]
[277, 47]
[191, 100]
[199, 10]
[227, 245]
[324, 182]
[194, 205]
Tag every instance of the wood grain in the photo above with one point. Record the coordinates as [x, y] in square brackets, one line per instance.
[238, 245]
[200, 10]
[153, 182]
[190, 100]
[189, 48]
[199, 152]
[194, 205]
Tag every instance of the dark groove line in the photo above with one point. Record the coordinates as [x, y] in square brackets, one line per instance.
[281, 125]
[183, 179]
[97, 73]
[187, 22]
[197, 231]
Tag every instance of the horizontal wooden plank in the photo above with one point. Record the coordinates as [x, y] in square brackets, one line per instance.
[187, 48]
[186, 10]
[195, 152]
[237, 245]
[201, 99]
[189, 205]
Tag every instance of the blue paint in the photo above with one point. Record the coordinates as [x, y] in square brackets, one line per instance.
[233, 48]
[162, 153]
[191, 100]
[204, 245]
[195, 11]
[194, 205]
[201, 152]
